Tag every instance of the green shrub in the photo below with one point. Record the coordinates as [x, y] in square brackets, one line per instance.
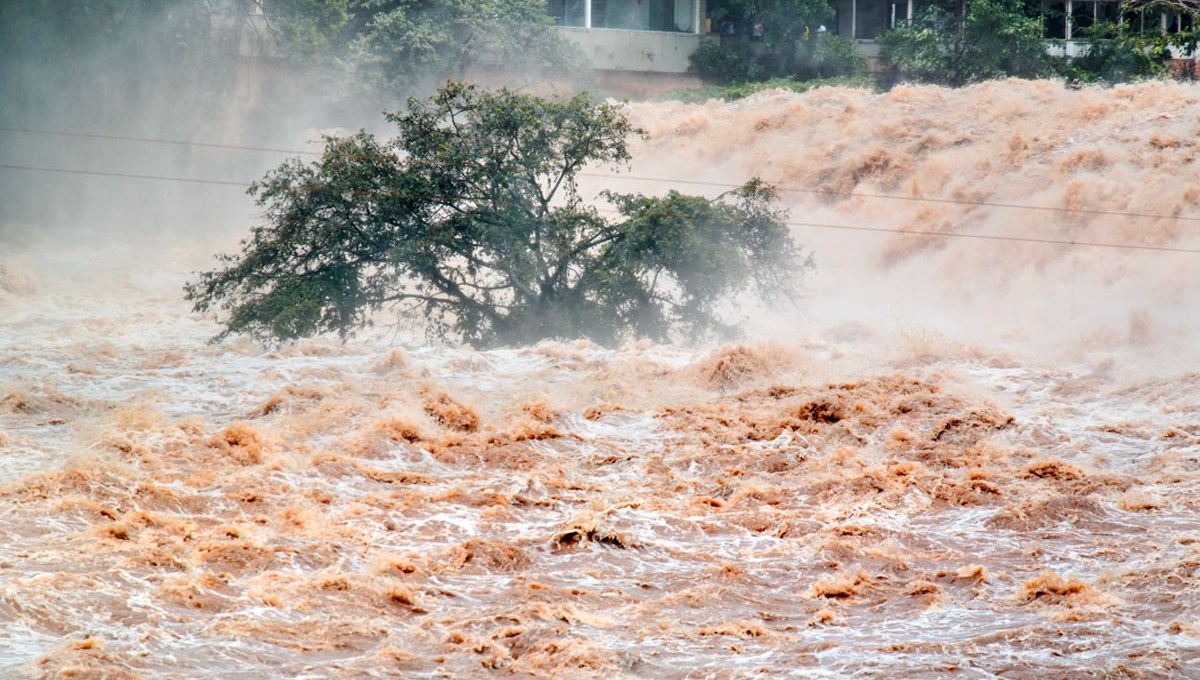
[837, 56]
[737, 91]
[915, 49]
[997, 39]
[727, 63]
[1116, 54]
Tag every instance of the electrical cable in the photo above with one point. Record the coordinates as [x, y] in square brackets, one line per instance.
[152, 140]
[124, 175]
[665, 180]
[990, 237]
[918, 199]
[812, 225]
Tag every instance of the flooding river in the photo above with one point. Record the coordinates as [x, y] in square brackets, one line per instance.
[958, 457]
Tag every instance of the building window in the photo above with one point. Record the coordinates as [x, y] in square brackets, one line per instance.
[567, 12]
[636, 15]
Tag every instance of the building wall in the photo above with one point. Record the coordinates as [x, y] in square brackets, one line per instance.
[621, 50]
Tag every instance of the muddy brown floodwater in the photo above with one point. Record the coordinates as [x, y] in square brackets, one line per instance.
[959, 458]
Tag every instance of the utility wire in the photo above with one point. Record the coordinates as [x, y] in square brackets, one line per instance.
[151, 140]
[989, 237]
[664, 180]
[980, 237]
[894, 197]
[125, 175]
[812, 225]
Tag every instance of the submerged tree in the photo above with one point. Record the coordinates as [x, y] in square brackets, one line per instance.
[471, 219]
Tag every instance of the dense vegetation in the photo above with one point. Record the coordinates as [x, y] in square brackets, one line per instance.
[109, 53]
[949, 42]
[789, 45]
[741, 90]
[410, 46]
[103, 55]
[985, 39]
[193, 70]
[470, 220]
[955, 43]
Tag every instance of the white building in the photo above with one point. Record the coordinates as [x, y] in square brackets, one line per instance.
[658, 36]
[653, 36]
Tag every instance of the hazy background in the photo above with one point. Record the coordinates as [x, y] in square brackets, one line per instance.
[1109, 166]
[175, 505]
[216, 72]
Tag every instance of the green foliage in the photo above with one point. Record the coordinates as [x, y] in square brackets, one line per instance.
[739, 62]
[408, 46]
[737, 59]
[783, 21]
[724, 64]
[995, 39]
[735, 91]
[308, 29]
[918, 51]
[1117, 54]
[831, 55]
[471, 219]
[1001, 40]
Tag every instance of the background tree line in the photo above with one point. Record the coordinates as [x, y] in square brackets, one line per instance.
[956, 42]
[101, 56]
[219, 71]
[61, 57]
[790, 46]
[949, 42]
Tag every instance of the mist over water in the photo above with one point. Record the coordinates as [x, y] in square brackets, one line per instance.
[1102, 162]
[955, 458]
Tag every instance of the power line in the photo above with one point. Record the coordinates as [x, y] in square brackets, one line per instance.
[894, 197]
[989, 237]
[664, 180]
[812, 225]
[980, 237]
[124, 175]
[152, 140]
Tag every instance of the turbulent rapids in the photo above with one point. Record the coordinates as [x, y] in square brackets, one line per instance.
[961, 457]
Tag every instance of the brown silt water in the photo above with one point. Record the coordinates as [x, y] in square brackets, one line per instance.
[971, 451]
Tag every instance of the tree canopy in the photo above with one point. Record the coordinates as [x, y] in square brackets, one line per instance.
[956, 44]
[782, 20]
[471, 220]
[401, 45]
[787, 47]
[308, 30]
